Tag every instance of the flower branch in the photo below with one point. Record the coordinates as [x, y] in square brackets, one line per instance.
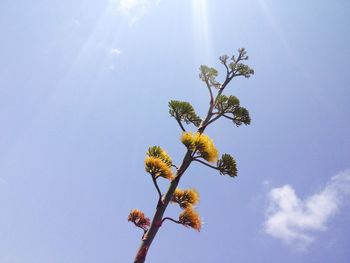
[171, 219]
[206, 164]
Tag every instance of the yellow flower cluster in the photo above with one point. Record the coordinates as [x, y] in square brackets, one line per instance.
[138, 218]
[156, 167]
[185, 198]
[201, 143]
[190, 217]
[158, 152]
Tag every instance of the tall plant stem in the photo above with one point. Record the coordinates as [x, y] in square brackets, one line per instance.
[161, 207]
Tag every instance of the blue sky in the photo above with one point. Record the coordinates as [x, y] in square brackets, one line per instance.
[84, 87]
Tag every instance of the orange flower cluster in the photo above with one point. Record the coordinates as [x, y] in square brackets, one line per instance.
[185, 198]
[138, 218]
[190, 217]
[201, 143]
[157, 168]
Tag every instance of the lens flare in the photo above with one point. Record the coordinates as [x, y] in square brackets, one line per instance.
[201, 30]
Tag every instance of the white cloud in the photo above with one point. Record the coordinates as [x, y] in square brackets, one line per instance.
[115, 51]
[294, 220]
[136, 9]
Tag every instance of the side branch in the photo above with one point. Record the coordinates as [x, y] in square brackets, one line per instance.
[144, 229]
[171, 219]
[214, 119]
[207, 164]
[228, 117]
[210, 91]
[230, 74]
[180, 124]
[157, 187]
[227, 70]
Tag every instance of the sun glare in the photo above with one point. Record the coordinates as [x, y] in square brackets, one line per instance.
[201, 30]
[281, 34]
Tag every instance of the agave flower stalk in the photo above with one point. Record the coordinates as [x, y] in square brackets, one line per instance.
[200, 148]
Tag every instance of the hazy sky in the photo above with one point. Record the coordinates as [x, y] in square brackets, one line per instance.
[84, 88]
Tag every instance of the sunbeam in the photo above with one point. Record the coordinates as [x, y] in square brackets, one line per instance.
[201, 30]
[280, 33]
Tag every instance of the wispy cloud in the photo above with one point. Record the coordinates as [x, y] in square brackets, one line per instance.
[115, 51]
[296, 220]
[136, 9]
[111, 52]
[109, 49]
